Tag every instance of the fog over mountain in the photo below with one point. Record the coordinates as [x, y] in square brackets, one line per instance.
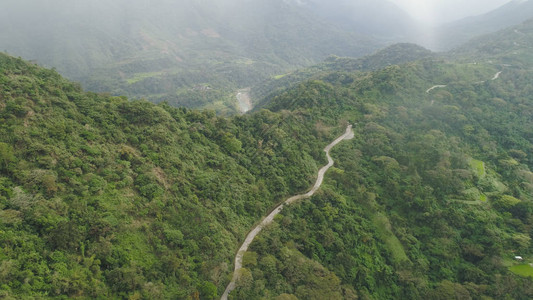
[453, 34]
[435, 12]
[198, 53]
[379, 18]
[146, 48]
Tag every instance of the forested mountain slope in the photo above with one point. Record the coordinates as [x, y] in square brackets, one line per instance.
[395, 54]
[511, 47]
[454, 34]
[102, 197]
[188, 53]
[105, 197]
[433, 199]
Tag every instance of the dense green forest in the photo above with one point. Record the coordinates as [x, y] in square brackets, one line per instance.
[401, 53]
[103, 197]
[432, 199]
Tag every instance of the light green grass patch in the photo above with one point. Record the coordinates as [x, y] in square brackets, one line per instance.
[245, 61]
[523, 270]
[142, 76]
[280, 76]
[478, 166]
[483, 198]
[383, 227]
[135, 247]
[473, 194]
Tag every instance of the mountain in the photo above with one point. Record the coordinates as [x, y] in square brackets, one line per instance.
[438, 176]
[509, 47]
[396, 54]
[454, 34]
[192, 53]
[378, 18]
[103, 197]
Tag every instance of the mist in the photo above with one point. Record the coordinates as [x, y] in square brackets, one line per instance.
[165, 50]
[434, 12]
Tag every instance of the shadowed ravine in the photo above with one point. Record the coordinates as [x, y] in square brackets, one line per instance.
[349, 134]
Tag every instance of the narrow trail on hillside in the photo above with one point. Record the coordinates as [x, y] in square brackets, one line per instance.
[349, 134]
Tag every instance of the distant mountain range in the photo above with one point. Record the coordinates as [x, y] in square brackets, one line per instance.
[456, 33]
[166, 49]
[378, 18]
[198, 53]
[393, 55]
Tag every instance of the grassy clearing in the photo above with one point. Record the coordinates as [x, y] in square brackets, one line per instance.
[245, 61]
[474, 194]
[383, 227]
[141, 76]
[478, 166]
[280, 76]
[523, 270]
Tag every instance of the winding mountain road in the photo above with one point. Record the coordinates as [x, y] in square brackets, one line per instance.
[496, 76]
[436, 87]
[349, 134]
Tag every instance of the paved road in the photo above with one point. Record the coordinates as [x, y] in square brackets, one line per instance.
[349, 134]
[496, 76]
[435, 87]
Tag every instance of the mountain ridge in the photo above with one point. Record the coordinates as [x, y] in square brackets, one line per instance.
[456, 33]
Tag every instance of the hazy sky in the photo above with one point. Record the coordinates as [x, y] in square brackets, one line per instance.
[438, 11]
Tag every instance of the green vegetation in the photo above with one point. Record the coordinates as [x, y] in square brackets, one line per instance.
[391, 219]
[142, 76]
[523, 270]
[385, 233]
[392, 55]
[165, 52]
[101, 197]
[478, 166]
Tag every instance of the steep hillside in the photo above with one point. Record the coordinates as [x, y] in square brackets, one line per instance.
[457, 33]
[191, 53]
[103, 198]
[433, 199]
[396, 54]
[510, 47]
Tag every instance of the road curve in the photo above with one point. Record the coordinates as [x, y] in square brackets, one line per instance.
[496, 76]
[349, 134]
[436, 87]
